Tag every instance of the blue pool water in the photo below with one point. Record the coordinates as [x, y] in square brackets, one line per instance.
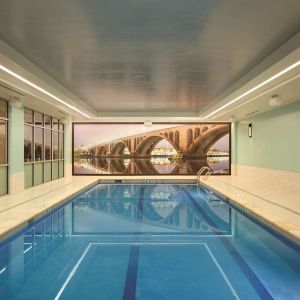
[154, 241]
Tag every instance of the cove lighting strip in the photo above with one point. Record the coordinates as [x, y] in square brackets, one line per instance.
[284, 71]
[8, 71]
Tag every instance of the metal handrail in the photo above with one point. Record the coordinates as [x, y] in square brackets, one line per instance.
[200, 172]
[206, 175]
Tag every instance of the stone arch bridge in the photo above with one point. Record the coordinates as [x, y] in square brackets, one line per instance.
[192, 140]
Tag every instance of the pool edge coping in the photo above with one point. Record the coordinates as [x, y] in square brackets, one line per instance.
[5, 234]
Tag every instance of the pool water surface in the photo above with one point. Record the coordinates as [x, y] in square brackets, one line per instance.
[148, 241]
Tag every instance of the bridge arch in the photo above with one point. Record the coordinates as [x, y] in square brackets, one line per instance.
[148, 144]
[101, 151]
[92, 151]
[204, 142]
[118, 149]
[118, 165]
[103, 163]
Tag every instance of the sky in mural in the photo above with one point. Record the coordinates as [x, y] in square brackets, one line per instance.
[86, 135]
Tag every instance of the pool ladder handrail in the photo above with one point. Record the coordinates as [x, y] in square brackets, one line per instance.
[206, 175]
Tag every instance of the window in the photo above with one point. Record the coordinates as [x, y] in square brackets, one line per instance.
[28, 138]
[38, 143]
[3, 147]
[47, 144]
[55, 144]
[43, 148]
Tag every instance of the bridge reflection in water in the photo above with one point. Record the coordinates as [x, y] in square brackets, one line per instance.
[156, 209]
[148, 166]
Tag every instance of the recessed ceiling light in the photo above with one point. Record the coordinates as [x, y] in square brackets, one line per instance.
[284, 71]
[8, 71]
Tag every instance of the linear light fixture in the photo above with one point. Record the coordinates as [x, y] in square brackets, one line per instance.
[8, 71]
[284, 71]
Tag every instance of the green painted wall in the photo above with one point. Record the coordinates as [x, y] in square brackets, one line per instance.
[16, 140]
[275, 143]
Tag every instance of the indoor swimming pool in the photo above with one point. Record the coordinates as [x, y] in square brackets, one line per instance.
[148, 241]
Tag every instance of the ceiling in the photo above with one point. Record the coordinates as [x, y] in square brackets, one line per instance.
[147, 55]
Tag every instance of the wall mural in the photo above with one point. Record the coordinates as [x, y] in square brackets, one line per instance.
[161, 149]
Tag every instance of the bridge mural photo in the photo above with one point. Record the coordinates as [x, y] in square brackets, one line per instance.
[162, 148]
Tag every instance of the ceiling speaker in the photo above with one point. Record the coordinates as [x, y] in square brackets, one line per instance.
[275, 101]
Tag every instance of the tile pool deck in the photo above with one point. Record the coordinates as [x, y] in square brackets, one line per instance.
[278, 212]
[267, 200]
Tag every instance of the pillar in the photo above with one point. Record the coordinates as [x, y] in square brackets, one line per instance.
[234, 145]
[16, 149]
[68, 148]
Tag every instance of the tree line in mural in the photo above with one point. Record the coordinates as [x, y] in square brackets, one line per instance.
[133, 149]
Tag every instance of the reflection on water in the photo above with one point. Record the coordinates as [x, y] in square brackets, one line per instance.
[155, 209]
[149, 166]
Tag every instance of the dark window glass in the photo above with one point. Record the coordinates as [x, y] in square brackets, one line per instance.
[47, 120]
[38, 139]
[28, 116]
[3, 109]
[3, 142]
[54, 123]
[61, 145]
[28, 137]
[47, 144]
[38, 119]
[55, 144]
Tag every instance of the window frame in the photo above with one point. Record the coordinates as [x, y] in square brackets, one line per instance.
[44, 161]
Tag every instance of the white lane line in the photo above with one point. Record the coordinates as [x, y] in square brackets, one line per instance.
[72, 273]
[28, 249]
[234, 293]
[3, 270]
[147, 243]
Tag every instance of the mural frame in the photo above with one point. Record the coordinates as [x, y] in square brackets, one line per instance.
[142, 123]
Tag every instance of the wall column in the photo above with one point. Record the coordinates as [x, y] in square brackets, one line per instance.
[68, 148]
[234, 145]
[16, 149]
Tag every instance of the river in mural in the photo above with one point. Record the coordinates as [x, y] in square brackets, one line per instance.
[148, 166]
